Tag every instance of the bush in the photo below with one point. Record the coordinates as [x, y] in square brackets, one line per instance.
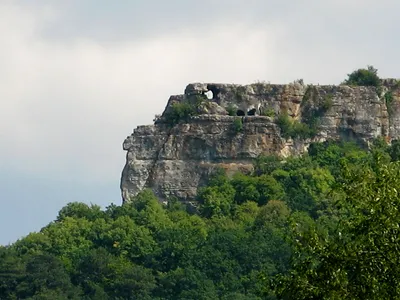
[389, 100]
[237, 125]
[178, 112]
[293, 128]
[266, 164]
[327, 103]
[285, 124]
[231, 110]
[303, 130]
[364, 77]
[182, 111]
[268, 113]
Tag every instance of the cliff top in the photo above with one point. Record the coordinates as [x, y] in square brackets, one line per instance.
[261, 98]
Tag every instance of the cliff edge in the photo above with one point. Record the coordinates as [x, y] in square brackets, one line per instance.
[227, 126]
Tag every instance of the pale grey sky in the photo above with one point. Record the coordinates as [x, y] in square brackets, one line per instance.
[77, 76]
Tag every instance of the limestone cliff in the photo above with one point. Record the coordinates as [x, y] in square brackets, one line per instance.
[234, 124]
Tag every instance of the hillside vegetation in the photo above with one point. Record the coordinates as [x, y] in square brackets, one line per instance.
[324, 225]
[321, 226]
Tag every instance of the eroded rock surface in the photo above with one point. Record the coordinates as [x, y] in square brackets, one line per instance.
[176, 160]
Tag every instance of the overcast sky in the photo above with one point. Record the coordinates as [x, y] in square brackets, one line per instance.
[76, 76]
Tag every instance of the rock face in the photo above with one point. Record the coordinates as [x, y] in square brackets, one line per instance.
[238, 123]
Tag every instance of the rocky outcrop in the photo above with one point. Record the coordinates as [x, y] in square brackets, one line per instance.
[234, 124]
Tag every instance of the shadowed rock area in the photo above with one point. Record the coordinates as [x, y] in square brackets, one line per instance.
[234, 124]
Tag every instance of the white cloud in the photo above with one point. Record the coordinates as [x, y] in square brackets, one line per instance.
[67, 106]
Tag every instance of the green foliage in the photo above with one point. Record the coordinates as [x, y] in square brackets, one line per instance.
[323, 225]
[364, 77]
[80, 210]
[389, 101]
[326, 103]
[231, 110]
[308, 189]
[259, 189]
[237, 125]
[314, 106]
[293, 128]
[275, 212]
[360, 259]
[216, 200]
[179, 112]
[267, 164]
[285, 124]
[268, 112]
[394, 150]
[183, 111]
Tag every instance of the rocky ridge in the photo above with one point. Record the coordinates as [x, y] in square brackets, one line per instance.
[234, 124]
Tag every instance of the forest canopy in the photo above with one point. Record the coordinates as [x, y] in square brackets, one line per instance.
[323, 225]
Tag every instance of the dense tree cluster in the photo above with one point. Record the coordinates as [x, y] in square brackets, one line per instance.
[324, 225]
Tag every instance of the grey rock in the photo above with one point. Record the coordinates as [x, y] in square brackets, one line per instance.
[175, 161]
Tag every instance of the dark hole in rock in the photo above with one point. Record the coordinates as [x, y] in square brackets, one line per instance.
[240, 112]
[251, 112]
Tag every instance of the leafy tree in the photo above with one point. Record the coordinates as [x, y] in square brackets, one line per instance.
[360, 260]
[259, 189]
[269, 189]
[149, 211]
[216, 200]
[308, 189]
[245, 188]
[183, 111]
[123, 237]
[80, 210]
[394, 150]
[33, 243]
[69, 239]
[45, 276]
[324, 224]
[246, 212]
[266, 164]
[274, 212]
[187, 283]
[364, 77]
[332, 155]
[103, 275]
[12, 272]
[179, 241]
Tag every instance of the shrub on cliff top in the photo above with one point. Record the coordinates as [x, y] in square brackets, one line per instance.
[364, 77]
[178, 112]
[182, 111]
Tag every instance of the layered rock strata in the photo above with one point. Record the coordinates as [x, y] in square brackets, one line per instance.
[175, 159]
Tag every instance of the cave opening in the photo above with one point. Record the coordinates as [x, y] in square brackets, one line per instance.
[252, 112]
[240, 112]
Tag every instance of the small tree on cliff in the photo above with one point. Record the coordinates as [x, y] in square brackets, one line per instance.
[364, 77]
